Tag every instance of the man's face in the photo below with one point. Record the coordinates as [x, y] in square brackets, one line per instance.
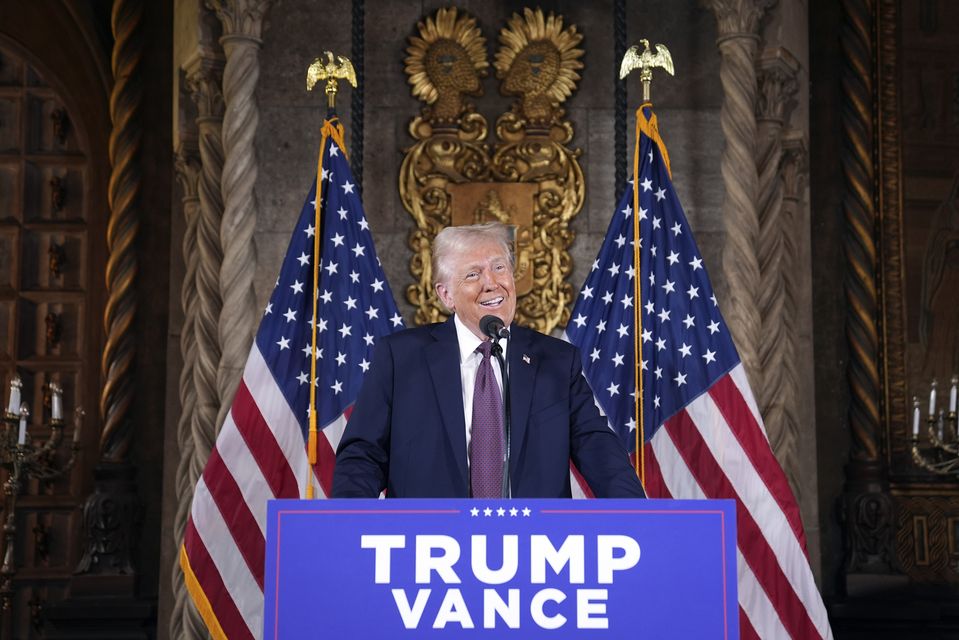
[480, 282]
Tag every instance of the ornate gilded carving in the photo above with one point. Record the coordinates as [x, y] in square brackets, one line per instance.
[41, 541]
[111, 515]
[529, 177]
[57, 255]
[54, 329]
[445, 63]
[537, 61]
[36, 604]
[926, 538]
[58, 194]
[896, 397]
[61, 124]
[870, 525]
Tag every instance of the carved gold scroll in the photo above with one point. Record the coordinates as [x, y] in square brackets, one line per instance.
[529, 177]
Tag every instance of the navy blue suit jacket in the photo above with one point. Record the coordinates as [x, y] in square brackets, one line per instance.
[407, 432]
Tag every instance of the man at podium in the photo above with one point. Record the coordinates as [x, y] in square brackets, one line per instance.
[429, 420]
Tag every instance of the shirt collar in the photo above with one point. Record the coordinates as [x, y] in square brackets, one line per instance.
[468, 342]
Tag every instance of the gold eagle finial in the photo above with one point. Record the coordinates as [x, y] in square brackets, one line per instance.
[332, 70]
[645, 61]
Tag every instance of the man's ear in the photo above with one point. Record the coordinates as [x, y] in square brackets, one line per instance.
[444, 295]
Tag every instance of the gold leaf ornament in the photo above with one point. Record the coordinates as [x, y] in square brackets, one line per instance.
[445, 63]
[538, 60]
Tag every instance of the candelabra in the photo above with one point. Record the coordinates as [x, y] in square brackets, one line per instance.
[23, 460]
[941, 430]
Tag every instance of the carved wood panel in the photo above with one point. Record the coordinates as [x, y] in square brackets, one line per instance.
[45, 311]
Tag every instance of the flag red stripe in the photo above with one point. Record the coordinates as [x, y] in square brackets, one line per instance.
[746, 631]
[655, 486]
[325, 460]
[210, 581]
[262, 445]
[740, 419]
[753, 546]
[235, 513]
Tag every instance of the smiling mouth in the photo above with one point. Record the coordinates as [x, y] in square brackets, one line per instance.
[495, 302]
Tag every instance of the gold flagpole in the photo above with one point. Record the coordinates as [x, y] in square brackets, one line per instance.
[644, 61]
[331, 72]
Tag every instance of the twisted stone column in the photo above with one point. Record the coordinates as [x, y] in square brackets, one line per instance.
[794, 174]
[776, 393]
[116, 395]
[204, 81]
[187, 166]
[738, 23]
[204, 75]
[242, 22]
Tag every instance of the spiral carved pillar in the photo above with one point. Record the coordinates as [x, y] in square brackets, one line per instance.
[242, 22]
[116, 395]
[204, 82]
[776, 392]
[110, 513]
[187, 166]
[738, 23]
[793, 172]
[869, 515]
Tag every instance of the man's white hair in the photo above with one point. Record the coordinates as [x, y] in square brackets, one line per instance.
[452, 241]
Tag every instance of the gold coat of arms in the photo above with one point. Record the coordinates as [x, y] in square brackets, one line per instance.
[528, 177]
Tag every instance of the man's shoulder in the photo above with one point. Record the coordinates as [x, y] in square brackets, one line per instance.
[544, 342]
[414, 337]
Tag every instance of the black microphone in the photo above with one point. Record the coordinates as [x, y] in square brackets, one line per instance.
[493, 327]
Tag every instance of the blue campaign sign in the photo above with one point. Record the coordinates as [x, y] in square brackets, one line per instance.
[501, 569]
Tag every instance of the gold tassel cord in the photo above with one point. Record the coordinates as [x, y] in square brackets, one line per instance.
[331, 129]
[650, 128]
[638, 318]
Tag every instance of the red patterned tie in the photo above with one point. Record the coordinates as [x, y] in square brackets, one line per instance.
[486, 440]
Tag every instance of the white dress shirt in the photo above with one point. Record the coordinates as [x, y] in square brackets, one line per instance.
[469, 364]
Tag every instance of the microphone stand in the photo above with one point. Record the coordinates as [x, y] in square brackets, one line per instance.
[497, 351]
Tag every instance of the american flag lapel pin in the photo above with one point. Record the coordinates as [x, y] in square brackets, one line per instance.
[525, 358]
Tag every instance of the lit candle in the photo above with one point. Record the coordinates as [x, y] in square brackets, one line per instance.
[24, 414]
[932, 398]
[13, 406]
[952, 393]
[915, 417]
[56, 402]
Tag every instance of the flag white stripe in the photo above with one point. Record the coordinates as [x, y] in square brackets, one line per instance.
[236, 576]
[738, 376]
[241, 464]
[754, 601]
[575, 487]
[681, 483]
[334, 431]
[277, 414]
[760, 503]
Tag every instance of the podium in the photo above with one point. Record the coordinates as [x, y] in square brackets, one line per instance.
[441, 568]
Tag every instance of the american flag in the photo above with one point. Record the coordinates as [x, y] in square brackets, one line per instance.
[260, 452]
[704, 436]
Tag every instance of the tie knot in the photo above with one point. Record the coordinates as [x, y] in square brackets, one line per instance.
[485, 348]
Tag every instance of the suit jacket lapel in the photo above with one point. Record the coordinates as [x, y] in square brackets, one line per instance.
[522, 371]
[444, 364]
